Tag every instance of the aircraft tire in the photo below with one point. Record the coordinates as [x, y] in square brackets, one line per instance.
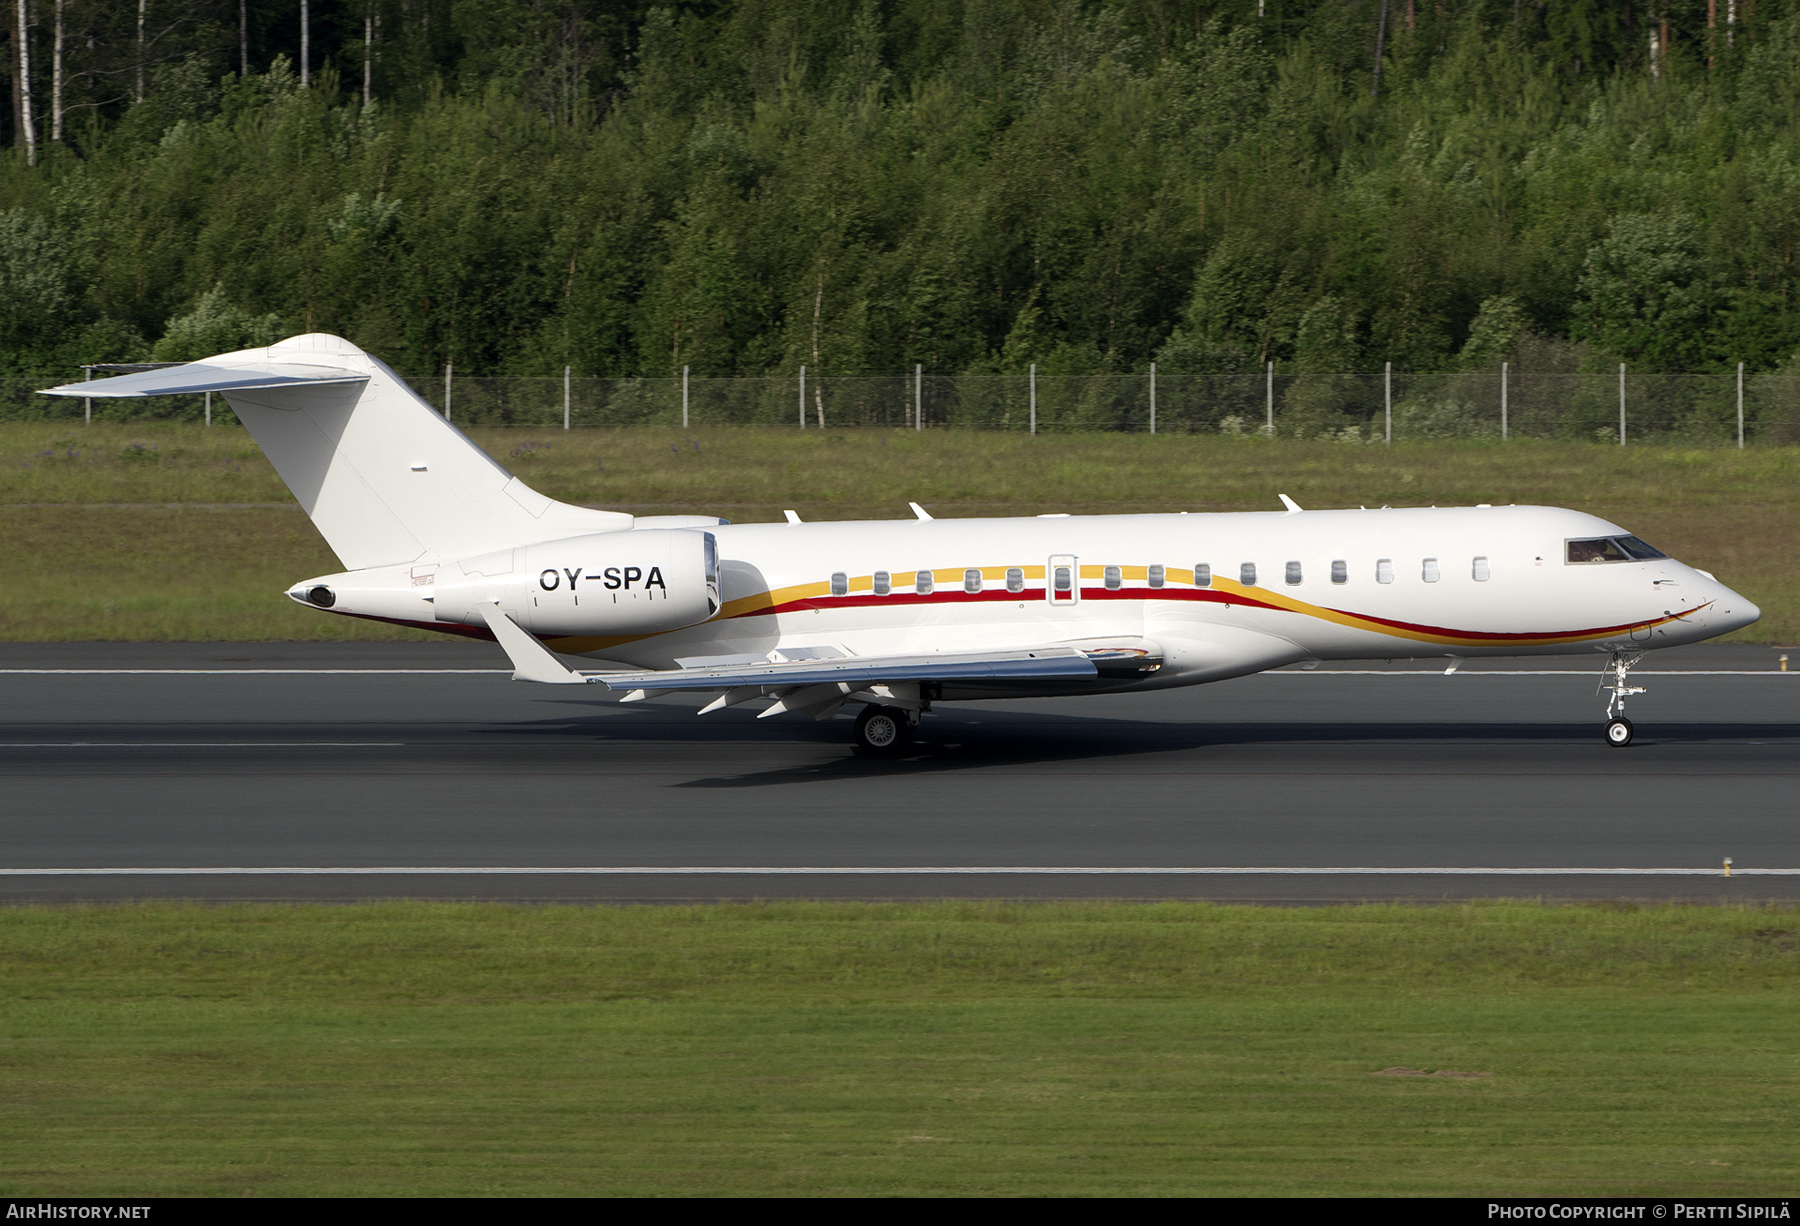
[1618, 732]
[882, 731]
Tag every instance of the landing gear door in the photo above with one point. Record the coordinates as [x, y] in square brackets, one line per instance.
[1063, 580]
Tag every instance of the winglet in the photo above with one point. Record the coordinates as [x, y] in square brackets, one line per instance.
[1292, 506]
[531, 660]
[920, 511]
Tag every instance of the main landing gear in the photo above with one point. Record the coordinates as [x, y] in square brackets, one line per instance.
[1618, 728]
[882, 731]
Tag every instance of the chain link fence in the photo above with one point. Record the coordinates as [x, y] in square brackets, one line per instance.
[1706, 410]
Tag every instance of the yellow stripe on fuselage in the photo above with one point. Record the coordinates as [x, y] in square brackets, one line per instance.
[761, 602]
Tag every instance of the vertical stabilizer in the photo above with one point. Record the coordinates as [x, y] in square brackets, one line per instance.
[383, 476]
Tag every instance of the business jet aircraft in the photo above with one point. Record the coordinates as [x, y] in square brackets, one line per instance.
[892, 616]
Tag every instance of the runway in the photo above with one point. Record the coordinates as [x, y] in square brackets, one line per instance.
[420, 771]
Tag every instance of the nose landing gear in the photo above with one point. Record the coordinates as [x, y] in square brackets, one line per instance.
[1618, 728]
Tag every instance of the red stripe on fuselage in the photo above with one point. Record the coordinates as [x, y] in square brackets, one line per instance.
[1496, 637]
[456, 628]
[1201, 595]
[864, 600]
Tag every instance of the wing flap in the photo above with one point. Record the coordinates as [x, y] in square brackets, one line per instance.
[865, 670]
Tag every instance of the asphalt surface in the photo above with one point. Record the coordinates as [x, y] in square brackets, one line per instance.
[215, 760]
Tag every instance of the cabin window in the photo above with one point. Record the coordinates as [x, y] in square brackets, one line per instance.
[1480, 570]
[840, 583]
[883, 583]
[1428, 570]
[1247, 574]
[1293, 574]
[922, 583]
[1114, 579]
[1015, 579]
[1062, 581]
[1384, 570]
[1340, 571]
[1203, 575]
[971, 580]
[1157, 576]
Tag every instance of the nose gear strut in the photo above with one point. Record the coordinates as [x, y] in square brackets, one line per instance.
[1618, 728]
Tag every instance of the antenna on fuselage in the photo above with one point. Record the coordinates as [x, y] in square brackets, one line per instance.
[1293, 508]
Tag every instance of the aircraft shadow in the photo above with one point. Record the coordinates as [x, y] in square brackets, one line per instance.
[957, 741]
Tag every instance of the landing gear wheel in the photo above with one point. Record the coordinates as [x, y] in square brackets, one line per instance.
[881, 731]
[1618, 732]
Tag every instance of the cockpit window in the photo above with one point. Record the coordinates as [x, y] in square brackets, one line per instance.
[1605, 549]
[1639, 550]
[1612, 549]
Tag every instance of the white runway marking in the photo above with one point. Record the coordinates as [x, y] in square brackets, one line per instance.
[491, 672]
[939, 870]
[202, 744]
[1517, 672]
[247, 672]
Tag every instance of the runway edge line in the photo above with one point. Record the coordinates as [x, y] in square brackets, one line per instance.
[866, 871]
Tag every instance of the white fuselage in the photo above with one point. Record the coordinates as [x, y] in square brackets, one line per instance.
[1327, 585]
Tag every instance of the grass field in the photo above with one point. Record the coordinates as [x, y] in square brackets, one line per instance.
[1092, 1049]
[108, 534]
[935, 1049]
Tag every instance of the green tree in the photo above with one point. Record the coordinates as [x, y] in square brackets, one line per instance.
[1644, 291]
[39, 297]
[215, 325]
[1494, 333]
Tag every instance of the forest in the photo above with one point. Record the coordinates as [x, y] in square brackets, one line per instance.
[965, 186]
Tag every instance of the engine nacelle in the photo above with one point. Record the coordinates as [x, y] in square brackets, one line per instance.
[609, 583]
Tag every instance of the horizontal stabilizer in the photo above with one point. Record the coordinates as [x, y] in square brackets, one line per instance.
[866, 670]
[206, 377]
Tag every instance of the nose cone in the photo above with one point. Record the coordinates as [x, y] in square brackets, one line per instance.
[1729, 611]
[1738, 614]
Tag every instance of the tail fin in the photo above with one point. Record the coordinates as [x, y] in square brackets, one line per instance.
[384, 477]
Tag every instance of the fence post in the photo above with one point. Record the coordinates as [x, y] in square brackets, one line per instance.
[1034, 397]
[1387, 404]
[1271, 400]
[565, 397]
[1621, 404]
[1153, 397]
[803, 397]
[684, 397]
[1503, 373]
[918, 396]
[1740, 406]
[87, 412]
[209, 410]
[446, 391]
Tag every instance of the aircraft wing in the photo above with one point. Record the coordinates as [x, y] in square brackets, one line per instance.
[532, 661]
[860, 671]
[817, 683]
